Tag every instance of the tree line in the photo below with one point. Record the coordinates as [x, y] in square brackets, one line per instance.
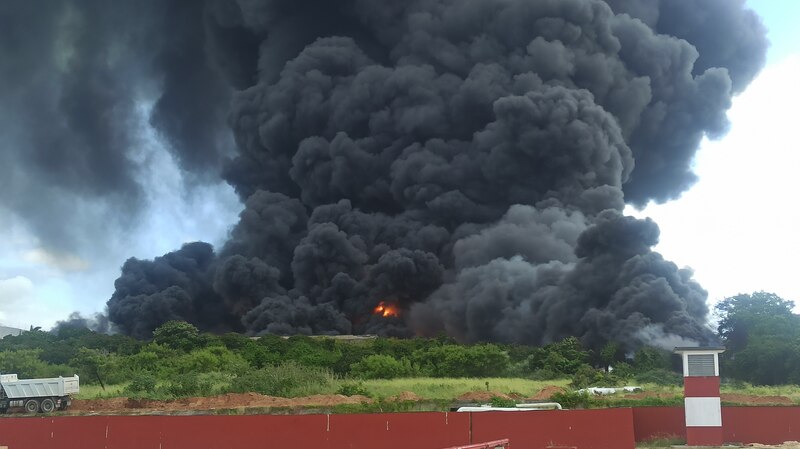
[760, 331]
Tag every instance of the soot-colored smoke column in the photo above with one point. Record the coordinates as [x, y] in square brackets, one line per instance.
[463, 162]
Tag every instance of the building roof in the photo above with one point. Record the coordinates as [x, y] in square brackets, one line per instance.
[716, 349]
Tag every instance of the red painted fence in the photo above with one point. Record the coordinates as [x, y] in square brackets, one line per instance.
[580, 429]
[591, 429]
[766, 425]
[585, 429]
[651, 423]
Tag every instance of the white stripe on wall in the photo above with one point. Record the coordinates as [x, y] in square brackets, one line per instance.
[703, 412]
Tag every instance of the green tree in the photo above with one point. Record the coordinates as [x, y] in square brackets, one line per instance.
[94, 362]
[564, 357]
[462, 361]
[178, 335]
[762, 337]
[610, 353]
[25, 363]
[760, 313]
[208, 360]
[648, 358]
[312, 352]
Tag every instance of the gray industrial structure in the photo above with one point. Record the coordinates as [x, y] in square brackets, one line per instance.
[5, 331]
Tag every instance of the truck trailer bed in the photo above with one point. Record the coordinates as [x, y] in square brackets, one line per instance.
[28, 388]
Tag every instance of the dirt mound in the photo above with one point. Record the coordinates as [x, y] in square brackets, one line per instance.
[225, 401]
[752, 399]
[482, 396]
[546, 392]
[87, 405]
[405, 396]
[784, 445]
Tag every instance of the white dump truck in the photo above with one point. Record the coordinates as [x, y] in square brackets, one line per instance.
[37, 395]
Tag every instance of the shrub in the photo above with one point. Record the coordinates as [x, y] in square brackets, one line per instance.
[463, 361]
[382, 367]
[586, 376]
[286, 380]
[352, 389]
[310, 352]
[350, 354]
[622, 370]
[189, 384]
[142, 384]
[659, 377]
[572, 399]
[503, 402]
[207, 360]
[545, 374]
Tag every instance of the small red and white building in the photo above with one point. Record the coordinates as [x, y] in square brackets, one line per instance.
[701, 395]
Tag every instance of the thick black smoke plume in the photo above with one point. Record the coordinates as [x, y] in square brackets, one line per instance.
[465, 162]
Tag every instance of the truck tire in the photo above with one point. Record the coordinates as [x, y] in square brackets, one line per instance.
[31, 406]
[48, 405]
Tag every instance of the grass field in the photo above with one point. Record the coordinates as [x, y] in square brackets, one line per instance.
[425, 387]
[445, 389]
[438, 388]
[791, 391]
[96, 392]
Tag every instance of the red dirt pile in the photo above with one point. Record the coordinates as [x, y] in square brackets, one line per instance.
[482, 396]
[225, 401]
[547, 392]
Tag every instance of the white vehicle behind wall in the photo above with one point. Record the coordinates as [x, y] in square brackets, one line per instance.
[37, 395]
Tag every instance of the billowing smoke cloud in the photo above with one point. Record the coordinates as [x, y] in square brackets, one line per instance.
[80, 81]
[466, 162]
[97, 323]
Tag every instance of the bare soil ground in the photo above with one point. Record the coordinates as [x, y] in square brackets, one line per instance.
[784, 445]
[482, 396]
[225, 401]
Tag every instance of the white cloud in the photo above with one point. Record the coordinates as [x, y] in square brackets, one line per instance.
[15, 295]
[738, 227]
[63, 262]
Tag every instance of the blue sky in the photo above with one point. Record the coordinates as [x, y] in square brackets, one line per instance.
[737, 227]
[781, 18]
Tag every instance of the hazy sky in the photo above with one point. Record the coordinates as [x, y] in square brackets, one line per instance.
[735, 227]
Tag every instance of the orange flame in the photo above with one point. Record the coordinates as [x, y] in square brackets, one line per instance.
[386, 309]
